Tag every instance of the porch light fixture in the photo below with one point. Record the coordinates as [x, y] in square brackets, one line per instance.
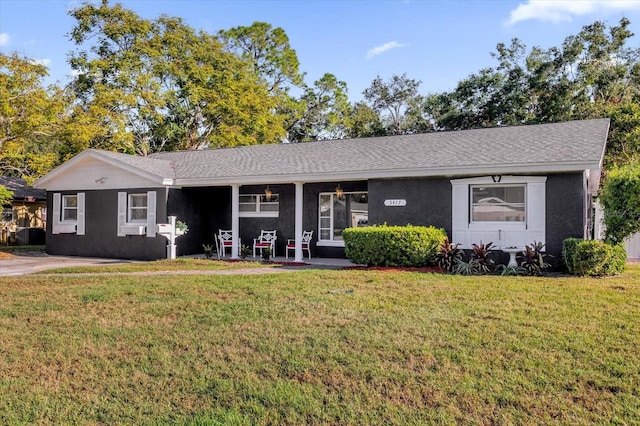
[268, 193]
[339, 191]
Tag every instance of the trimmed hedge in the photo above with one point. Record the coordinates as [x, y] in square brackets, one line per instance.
[410, 246]
[593, 258]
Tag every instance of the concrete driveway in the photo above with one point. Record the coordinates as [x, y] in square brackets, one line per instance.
[23, 265]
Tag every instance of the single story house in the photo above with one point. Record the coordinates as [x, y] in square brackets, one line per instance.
[506, 185]
[23, 221]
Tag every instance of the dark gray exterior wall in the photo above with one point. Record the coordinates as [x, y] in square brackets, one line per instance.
[204, 210]
[101, 224]
[565, 210]
[208, 209]
[428, 202]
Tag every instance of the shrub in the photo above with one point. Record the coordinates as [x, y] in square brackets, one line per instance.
[621, 201]
[412, 246]
[593, 258]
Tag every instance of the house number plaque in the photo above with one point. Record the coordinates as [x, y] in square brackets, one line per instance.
[395, 203]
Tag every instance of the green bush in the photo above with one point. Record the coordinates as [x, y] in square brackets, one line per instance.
[593, 258]
[411, 246]
[621, 201]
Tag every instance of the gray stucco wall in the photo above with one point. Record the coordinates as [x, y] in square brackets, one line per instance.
[428, 202]
[101, 223]
[565, 210]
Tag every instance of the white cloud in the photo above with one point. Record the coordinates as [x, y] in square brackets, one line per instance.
[383, 48]
[564, 10]
[44, 62]
[4, 39]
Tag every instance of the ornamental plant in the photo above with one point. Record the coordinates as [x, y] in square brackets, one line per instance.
[449, 255]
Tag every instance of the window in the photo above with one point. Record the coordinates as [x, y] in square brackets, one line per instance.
[6, 215]
[69, 208]
[498, 203]
[509, 211]
[338, 213]
[137, 208]
[257, 205]
[137, 214]
[68, 213]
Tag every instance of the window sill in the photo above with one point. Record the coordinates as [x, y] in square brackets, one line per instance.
[133, 229]
[327, 243]
[65, 228]
[258, 214]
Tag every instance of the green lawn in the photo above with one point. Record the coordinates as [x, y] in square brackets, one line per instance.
[319, 347]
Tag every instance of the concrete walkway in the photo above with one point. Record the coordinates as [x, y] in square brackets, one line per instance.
[28, 264]
[23, 265]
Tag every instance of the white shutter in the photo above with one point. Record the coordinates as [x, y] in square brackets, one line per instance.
[151, 213]
[55, 217]
[122, 213]
[460, 214]
[80, 219]
[536, 211]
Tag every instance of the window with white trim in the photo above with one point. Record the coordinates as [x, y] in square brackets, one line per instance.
[351, 210]
[510, 211]
[68, 213]
[69, 208]
[257, 205]
[498, 203]
[137, 208]
[137, 213]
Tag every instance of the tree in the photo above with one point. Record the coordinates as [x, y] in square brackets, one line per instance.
[621, 201]
[319, 111]
[392, 99]
[32, 118]
[5, 196]
[363, 121]
[151, 85]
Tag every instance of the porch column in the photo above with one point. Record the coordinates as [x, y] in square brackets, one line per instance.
[299, 214]
[235, 220]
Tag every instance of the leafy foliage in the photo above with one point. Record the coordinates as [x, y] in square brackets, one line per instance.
[449, 255]
[533, 259]
[480, 257]
[32, 118]
[593, 258]
[621, 201]
[5, 196]
[411, 246]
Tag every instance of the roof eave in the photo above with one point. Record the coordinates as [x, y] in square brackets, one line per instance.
[560, 167]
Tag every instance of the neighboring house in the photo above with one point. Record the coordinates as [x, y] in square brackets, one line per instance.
[23, 220]
[507, 185]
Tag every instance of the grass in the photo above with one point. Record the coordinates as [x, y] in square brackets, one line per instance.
[319, 347]
[178, 264]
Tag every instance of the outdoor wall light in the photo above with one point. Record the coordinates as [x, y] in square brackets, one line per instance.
[339, 191]
[268, 193]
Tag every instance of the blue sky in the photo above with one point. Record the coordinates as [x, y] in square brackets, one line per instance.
[436, 41]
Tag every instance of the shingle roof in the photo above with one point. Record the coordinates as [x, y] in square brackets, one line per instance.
[577, 144]
[21, 191]
[158, 167]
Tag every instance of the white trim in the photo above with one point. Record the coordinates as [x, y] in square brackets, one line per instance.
[299, 212]
[80, 214]
[90, 153]
[332, 242]
[327, 243]
[502, 234]
[235, 221]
